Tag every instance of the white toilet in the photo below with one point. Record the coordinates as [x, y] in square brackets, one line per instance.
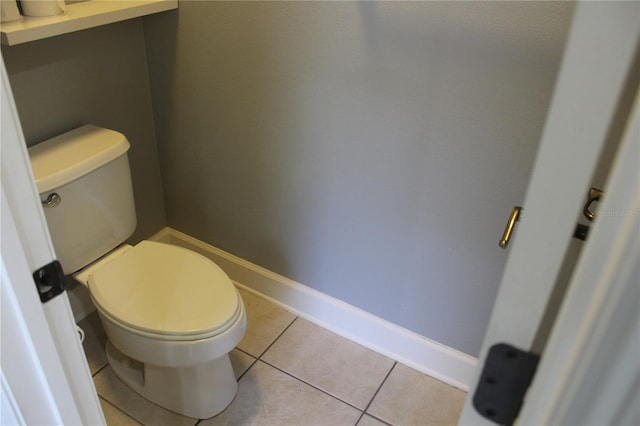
[171, 315]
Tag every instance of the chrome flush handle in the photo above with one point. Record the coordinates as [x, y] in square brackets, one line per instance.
[52, 200]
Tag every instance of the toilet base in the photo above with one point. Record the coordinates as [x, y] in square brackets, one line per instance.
[200, 391]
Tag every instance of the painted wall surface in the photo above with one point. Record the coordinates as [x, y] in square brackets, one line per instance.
[369, 150]
[97, 76]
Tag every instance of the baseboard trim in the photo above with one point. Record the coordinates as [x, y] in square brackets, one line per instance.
[439, 361]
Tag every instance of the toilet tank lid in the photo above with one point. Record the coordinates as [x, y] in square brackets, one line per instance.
[71, 155]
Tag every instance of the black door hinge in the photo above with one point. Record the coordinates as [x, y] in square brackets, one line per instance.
[581, 232]
[505, 378]
[49, 281]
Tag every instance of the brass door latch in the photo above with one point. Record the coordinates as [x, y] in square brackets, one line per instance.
[580, 232]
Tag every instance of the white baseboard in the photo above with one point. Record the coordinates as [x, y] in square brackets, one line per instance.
[439, 361]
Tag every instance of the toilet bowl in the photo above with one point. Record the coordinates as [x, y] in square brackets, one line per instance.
[171, 315]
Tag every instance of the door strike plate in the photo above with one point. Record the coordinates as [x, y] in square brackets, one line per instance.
[49, 281]
[505, 378]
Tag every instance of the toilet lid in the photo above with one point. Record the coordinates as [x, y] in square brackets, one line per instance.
[165, 290]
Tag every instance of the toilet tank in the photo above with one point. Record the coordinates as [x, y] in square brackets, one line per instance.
[85, 176]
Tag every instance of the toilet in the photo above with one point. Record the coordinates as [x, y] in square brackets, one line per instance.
[171, 315]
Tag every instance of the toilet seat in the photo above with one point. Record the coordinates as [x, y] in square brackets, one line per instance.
[165, 292]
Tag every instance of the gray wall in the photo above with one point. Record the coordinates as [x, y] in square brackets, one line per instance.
[370, 150]
[96, 76]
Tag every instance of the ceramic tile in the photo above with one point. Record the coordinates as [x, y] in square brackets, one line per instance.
[115, 417]
[94, 341]
[240, 362]
[267, 396]
[332, 363]
[117, 393]
[409, 397]
[367, 420]
[265, 322]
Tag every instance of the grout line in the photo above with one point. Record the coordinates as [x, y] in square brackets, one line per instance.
[378, 391]
[277, 337]
[312, 385]
[100, 369]
[378, 419]
[244, 352]
[119, 409]
[255, 359]
[249, 367]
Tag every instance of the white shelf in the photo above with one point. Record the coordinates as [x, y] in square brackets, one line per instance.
[80, 16]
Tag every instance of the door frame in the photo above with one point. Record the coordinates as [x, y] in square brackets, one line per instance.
[44, 368]
[601, 51]
[591, 362]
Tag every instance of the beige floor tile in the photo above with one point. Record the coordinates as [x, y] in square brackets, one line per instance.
[410, 398]
[367, 420]
[332, 363]
[265, 322]
[94, 341]
[117, 393]
[267, 396]
[240, 362]
[115, 417]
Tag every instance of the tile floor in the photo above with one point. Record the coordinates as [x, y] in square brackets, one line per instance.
[292, 372]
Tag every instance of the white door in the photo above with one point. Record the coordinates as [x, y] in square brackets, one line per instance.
[586, 105]
[45, 376]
